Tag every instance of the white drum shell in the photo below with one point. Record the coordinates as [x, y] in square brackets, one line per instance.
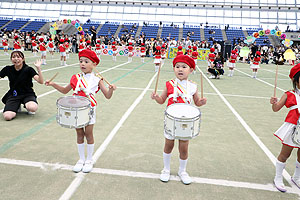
[184, 127]
[73, 117]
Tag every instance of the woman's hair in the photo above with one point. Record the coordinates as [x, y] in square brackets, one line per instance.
[19, 53]
[296, 81]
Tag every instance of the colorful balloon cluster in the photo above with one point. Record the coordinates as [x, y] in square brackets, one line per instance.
[75, 23]
[261, 33]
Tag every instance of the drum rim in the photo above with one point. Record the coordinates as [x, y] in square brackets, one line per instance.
[185, 119]
[74, 96]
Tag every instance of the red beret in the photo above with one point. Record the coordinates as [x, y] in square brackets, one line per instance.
[98, 41]
[50, 39]
[113, 42]
[189, 47]
[163, 46]
[41, 39]
[142, 44]
[61, 40]
[33, 38]
[130, 43]
[294, 70]
[258, 53]
[185, 59]
[180, 47]
[158, 48]
[90, 55]
[233, 52]
[16, 37]
[88, 41]
[212, 50]
[194, 48]
[81, 40]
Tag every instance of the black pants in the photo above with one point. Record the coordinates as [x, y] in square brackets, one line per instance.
[216, 72]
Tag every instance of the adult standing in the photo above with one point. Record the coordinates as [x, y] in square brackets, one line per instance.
[21, 87]
[94, 35]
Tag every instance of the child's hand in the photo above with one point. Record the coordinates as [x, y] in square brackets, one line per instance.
[37, 64]
[273, 100]
[202, 101]
[48, 83]
[154, 95]
[112, 87]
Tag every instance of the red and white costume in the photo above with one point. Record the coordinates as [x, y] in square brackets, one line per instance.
[180, 92]
[189, 51]
[43, 49]
[284, 133]
[34, 45]
[114, 49]
[195, 56]
[17, 45]
[67, 46]
[86, 85]
[62, 50]
[4, 44]
[211, 58]
[232, 60]
[179, 52]
[130, 51]
[51, 46]
[98, 48]
[81, 46]
[255, 64]
[143, 51]
[157, 56]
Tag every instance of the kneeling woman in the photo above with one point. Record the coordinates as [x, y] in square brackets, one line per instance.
[217, 66]
[20, 82]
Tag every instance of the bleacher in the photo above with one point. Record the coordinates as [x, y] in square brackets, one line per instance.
[236, 33]
[171, 31]
[260, 40]
[108, 27]
[3, 22]
[192, 29]
[87, 26]
[217, 35]
[127, 29]
[150, 31]
[33, 26]
[16, 24]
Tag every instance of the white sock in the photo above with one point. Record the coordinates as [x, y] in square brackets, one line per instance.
[65, 62]
[156, 68]
[142, 59]
[297, 171]
[182, 165]
[232, 72]
[90, 151]
[81, 151]
[279, 170]
[167, 160]
[61, 62]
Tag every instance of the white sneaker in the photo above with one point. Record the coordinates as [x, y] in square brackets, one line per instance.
[185, 178]
[279, 185]
[165, 175]
[212, 76]
[78, 166]
[88, 166]
[19, 109]
[31, 113]
[296, 182]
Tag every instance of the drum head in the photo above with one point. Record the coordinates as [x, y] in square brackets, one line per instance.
[73, 101]
[181, 110]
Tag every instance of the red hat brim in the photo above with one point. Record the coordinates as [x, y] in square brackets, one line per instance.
[90, 55]
[185, 59]
[294, 70]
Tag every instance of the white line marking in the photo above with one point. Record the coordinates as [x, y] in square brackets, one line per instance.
[218, 182]
[261, 80]
[77, 181]
[31, 62]
[274, 72]
[250, 131]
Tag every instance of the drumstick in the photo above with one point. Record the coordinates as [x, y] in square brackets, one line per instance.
[275, 84]
[100, 76]
[201, 85]
[51, 79]
[156, 84]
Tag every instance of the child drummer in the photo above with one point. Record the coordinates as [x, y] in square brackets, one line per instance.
[86, 84]
[183, 66]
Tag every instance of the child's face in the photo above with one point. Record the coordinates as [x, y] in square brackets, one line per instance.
[182, 70]
[86, 65]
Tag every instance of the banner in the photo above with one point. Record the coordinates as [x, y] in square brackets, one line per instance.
[203, 53]
[121, 51]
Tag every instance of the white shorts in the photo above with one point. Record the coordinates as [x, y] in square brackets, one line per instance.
[195, 60]
[157, 61]
[130, 54]
[163, 56]
[43, 53]
[5, 47]
[231, 65]
[51, 49]
[93, 116]
[284, 133]
[35, 48]
[98, 51]
[62, 53]
[254, 66]
[143, 54]
[169, 137]
[80, 50]
[115, 53]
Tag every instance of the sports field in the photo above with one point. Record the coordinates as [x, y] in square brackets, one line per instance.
[232, 158]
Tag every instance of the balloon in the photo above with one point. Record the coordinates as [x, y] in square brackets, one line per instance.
[249, 40]
[77, 20]
[69, 21]
[278, 33]
[65, 21]
[256, 35]
[287, 42]
[283, 36]
[261, 33]
[79, 28]
[77, 25]
[267, 32]
[73, 23]
[81, 32]
[273, 32]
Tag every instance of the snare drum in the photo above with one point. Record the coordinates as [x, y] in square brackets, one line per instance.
[182, 121]
[73, 111]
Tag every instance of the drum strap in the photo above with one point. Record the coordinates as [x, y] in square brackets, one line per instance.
[185, 96]
[86, 88]
[297, 101]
